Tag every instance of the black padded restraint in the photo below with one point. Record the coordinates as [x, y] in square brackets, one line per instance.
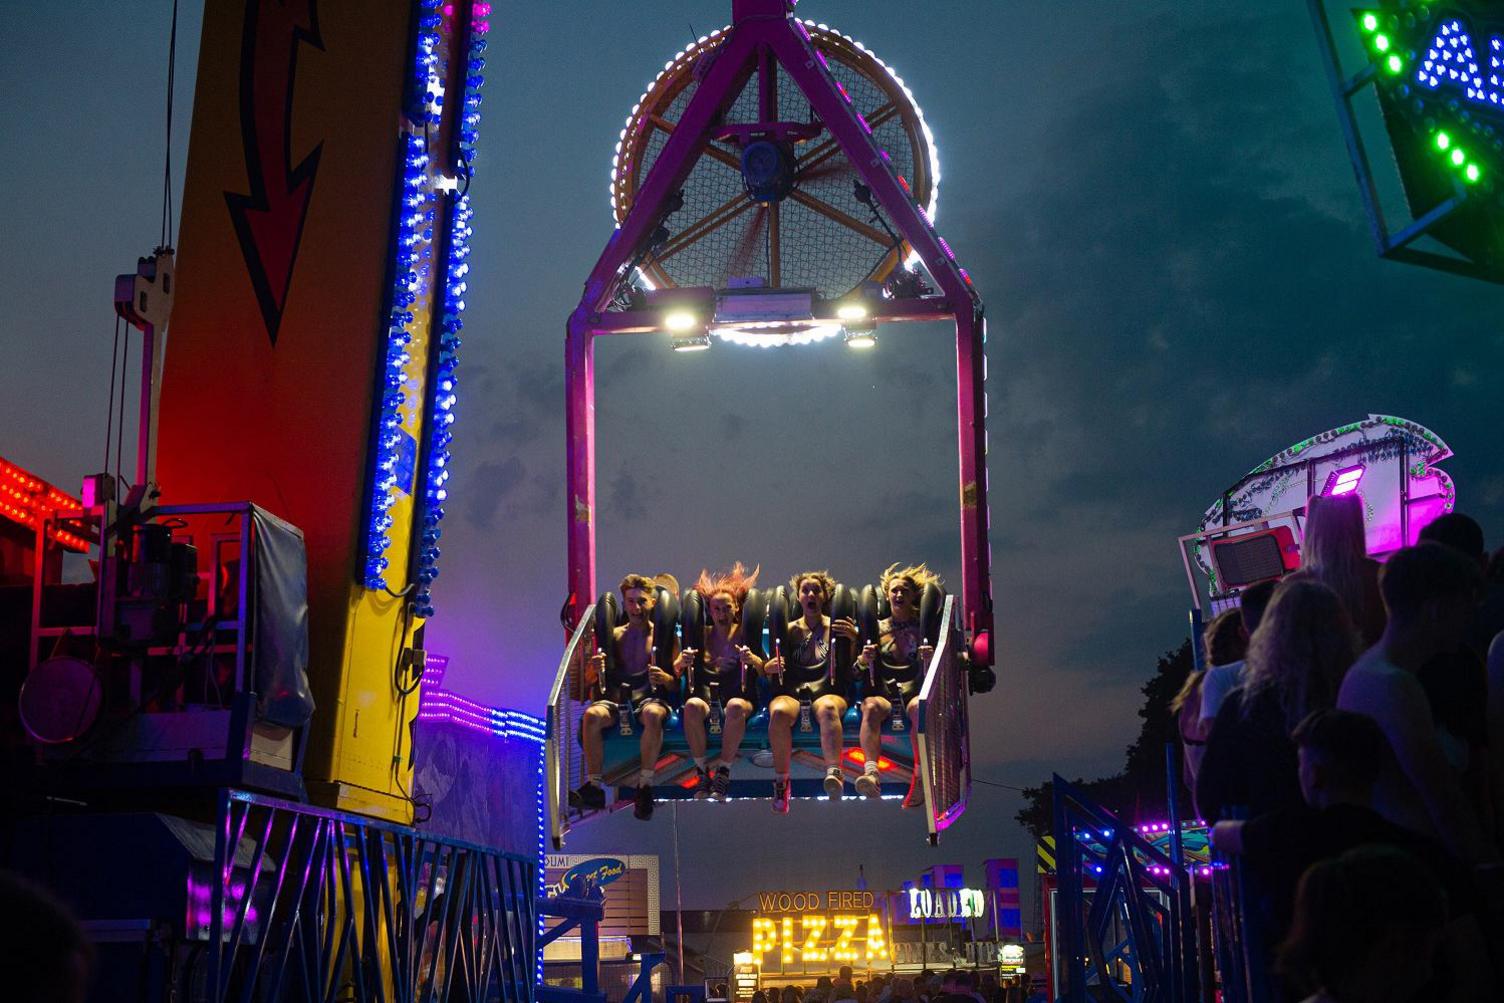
[754, 618]
[694, 620]
[665, 617]
[931, 606]
[778, 619]
[842, 607]
[867, 616]
[608, 616]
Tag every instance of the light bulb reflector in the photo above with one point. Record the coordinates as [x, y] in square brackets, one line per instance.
[681, 320]
[692, 343]
[861, 339]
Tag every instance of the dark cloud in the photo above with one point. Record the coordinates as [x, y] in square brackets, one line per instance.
[487, 486]
[733, 425]
[624, 498]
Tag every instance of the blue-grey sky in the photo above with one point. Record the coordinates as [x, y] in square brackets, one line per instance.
[1154, 201]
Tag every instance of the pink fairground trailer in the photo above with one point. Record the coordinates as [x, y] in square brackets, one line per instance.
[756, 181]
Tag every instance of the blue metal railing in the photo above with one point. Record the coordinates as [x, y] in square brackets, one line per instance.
[306, 903]
[1126, 926]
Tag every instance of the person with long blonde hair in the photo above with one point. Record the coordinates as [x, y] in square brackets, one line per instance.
[1335, 551]
[894, 667]
[729, 678]
[1295, 664]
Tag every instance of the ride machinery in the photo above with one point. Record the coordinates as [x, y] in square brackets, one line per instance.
[777, 185]
[253, 638]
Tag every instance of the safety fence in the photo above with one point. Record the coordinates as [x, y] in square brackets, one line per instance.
[943, 743]
[565, 765]
[1126, 926]
[304, 903]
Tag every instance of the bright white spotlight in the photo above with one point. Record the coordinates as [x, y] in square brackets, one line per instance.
[692, 343]
[861, 338]
[852, 311]
[681, 320]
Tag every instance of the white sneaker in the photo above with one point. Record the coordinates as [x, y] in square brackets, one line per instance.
[868, 786]
[835, 783]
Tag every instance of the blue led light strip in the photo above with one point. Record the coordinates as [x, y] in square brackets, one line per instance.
[414, 240]
[442, 416]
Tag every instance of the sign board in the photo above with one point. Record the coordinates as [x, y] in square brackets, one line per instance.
[946, 903]
[627, 882]
[816, 931]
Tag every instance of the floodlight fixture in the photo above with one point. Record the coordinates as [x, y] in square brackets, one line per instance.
[1344, 481]
[852, 310]
[861, 337]
[692, 343]
[680, 319]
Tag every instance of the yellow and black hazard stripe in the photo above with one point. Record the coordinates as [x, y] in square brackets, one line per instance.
[1045, 852]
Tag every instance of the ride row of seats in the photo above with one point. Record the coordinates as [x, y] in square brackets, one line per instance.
[766, 617]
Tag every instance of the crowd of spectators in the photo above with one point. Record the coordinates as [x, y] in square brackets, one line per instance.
[1346, 740]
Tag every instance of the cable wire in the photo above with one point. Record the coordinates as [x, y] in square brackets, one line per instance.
[109, 421]
[172, 52]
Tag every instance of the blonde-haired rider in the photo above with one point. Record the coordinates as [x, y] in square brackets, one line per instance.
[894, 668]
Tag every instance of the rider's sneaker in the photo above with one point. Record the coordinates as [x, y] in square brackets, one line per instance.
[591, 796]
[868, 786]
[720, 784]
[835, 783]
[703, 787]
[642, 803]
[915, 797]
[781, 796]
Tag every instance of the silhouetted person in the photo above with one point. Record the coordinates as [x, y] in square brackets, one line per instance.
[1296, 661]
[46, 957]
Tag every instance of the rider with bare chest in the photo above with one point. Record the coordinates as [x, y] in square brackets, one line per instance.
[631, 683]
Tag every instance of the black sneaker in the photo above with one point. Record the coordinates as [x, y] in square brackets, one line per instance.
[720, 784]
[642, 803]
[702, 784]
[592, 796]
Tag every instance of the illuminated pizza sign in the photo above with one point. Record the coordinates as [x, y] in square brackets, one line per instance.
[812, 929]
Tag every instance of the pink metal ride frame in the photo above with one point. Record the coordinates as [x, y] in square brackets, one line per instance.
[764, 31]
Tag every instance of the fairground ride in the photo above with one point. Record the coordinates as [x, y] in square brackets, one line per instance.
[776, 185]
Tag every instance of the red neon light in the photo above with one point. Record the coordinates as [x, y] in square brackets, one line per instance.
[26, 499]
[857, 756]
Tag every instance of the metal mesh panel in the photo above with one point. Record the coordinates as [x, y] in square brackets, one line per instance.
[944, 743]
[815, 251]
[565, 764]
[305, 903]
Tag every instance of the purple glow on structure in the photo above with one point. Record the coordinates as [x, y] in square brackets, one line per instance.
[1344, 481]
[441, 705]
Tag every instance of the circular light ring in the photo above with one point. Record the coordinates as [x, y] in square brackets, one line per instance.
[678, 74]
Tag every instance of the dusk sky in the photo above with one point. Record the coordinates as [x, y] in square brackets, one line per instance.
[1156, 206]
